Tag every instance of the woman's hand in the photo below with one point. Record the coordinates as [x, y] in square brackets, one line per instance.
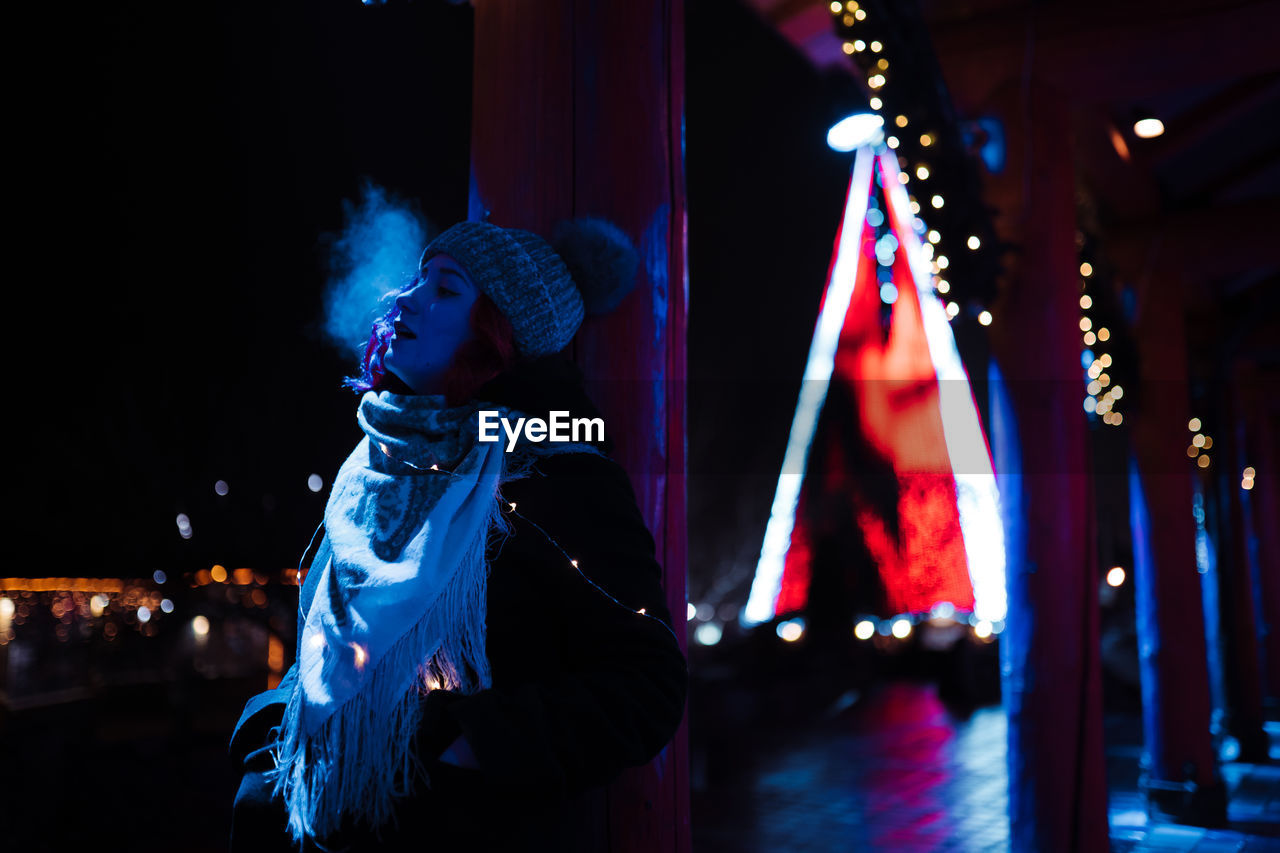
[459, 754]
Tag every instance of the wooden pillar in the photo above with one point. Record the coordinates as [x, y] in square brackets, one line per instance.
[1050, 666]
[1262, 453]
[578, 110]
[1173, 656]
[1236, 581]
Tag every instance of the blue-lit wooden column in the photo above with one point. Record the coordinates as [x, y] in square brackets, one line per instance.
[1261, 412]
[1239, 583]
[1049, 650]
[1182, 776]
[577, 109]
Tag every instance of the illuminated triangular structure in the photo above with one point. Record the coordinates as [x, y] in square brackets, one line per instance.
[916, 412]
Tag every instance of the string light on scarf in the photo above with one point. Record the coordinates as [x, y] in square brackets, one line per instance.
[511, 510]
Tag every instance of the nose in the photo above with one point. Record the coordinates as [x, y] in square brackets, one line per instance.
[404, 302]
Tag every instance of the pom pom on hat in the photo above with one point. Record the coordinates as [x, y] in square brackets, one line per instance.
[601, 259]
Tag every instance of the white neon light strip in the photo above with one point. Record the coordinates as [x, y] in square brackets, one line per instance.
[813, 393]
[978, 500]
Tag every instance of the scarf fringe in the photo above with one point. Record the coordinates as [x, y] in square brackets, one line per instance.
[363, 757]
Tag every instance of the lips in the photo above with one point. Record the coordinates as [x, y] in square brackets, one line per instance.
[403, 331]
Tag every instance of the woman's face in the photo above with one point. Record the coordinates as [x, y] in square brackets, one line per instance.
[431, 324]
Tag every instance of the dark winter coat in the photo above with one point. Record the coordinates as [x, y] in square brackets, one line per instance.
[583, 684]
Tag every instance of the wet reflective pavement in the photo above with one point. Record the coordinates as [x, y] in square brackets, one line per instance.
[895, 769]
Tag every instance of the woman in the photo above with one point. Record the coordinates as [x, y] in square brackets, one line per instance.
[483, 638]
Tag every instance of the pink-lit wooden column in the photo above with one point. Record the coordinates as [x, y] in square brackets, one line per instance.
[578, 110]
[1049, 650]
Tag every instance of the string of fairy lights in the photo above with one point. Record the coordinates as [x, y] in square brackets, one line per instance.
[929, 169]
[510, 508]
[1102, 393]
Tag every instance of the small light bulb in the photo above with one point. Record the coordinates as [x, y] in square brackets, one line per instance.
[1148, 128]
[973, 242]
[1086, 269]
[985, 318]
[937, 201]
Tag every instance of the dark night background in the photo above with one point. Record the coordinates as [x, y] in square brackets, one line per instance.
[190, 165]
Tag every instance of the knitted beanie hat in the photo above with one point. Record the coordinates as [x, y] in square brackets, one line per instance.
[544, 292]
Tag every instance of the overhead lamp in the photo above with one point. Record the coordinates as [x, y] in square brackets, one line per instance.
[1148, 127]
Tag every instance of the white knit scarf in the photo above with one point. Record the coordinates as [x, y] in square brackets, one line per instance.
[398, 610]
